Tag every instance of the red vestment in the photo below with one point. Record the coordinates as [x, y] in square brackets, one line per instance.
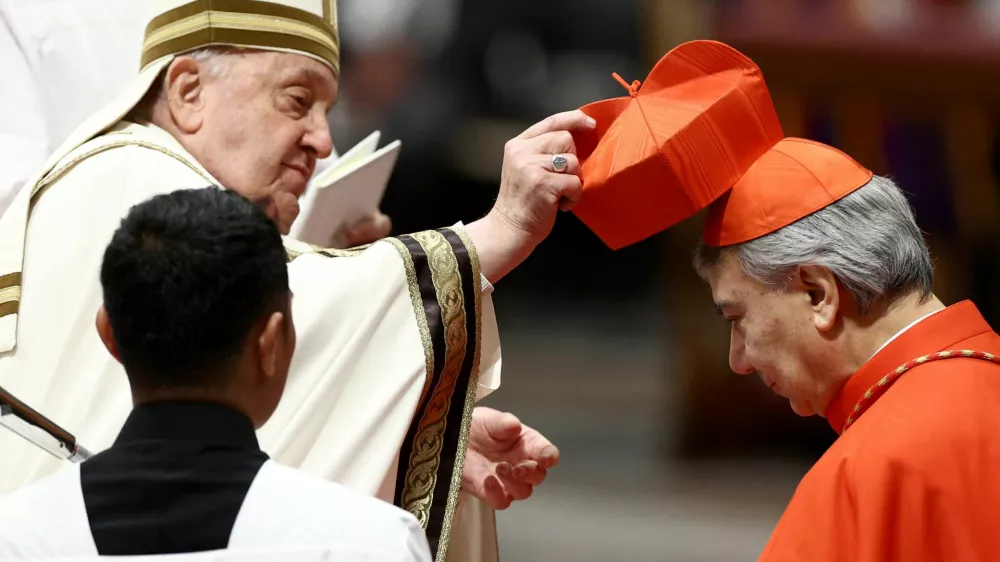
[917, 476]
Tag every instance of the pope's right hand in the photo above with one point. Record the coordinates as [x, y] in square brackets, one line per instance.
[532, 191]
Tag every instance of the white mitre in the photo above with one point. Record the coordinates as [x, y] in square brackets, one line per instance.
[307, 27]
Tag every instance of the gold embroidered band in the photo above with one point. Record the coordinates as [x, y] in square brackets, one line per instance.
[432, 457]
[443, 277]
[244, 23]
[10, 293]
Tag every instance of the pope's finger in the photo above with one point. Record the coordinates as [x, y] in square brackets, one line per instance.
[374, 222]
[573, 167]
[363, 222]
[566, 121]
[504, 469]
[530, 472]
[502, 426]
[549, 456]
[495, 494]
[383, 223]
[569, 189]
[556, 142]
[515, 489]
[536, 447]
[364, 231]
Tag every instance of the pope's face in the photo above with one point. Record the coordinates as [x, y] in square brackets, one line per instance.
[773, 335]
[263, 126]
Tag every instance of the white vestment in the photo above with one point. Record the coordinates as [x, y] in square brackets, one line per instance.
[284, 508]
[371, 325]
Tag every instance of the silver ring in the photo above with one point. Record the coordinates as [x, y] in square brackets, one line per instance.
[559, 163]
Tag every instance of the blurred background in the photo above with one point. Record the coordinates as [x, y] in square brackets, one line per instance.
[617, 356]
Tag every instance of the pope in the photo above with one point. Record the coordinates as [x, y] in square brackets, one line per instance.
[397, 340]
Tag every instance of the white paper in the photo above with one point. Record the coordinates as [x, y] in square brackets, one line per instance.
[348, 190]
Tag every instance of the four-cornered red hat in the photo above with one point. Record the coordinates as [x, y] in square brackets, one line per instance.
[676, 144]
[794, 179]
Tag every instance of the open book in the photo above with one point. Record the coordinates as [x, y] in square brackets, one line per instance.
[348, 190]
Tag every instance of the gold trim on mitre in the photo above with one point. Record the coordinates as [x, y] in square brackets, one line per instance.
[330, 14]
[244, 23]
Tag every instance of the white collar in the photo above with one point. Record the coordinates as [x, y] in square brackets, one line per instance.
[910, 325]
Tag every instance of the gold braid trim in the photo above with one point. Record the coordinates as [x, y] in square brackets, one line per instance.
[54, 175]
[420, 471]
[421, 475]
[419, 314]
[470, 403]
[10, 293]
[244, 24]
[325, 252]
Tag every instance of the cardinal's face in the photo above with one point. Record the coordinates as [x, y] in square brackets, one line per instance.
[773, 335]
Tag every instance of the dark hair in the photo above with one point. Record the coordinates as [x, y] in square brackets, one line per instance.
[186, 277]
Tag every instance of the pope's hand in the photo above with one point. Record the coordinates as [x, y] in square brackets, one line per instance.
[506, 459]
[365, 231]
[532, 191]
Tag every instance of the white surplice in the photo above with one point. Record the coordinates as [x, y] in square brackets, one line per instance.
[284, 508]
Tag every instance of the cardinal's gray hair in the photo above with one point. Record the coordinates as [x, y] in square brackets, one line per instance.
[869, 240]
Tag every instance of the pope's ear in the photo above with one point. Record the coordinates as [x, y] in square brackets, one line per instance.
[106, 333]
[184, 93]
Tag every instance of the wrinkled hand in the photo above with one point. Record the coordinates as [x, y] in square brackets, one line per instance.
[531, 191]
[365, 231]
[506, 459]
